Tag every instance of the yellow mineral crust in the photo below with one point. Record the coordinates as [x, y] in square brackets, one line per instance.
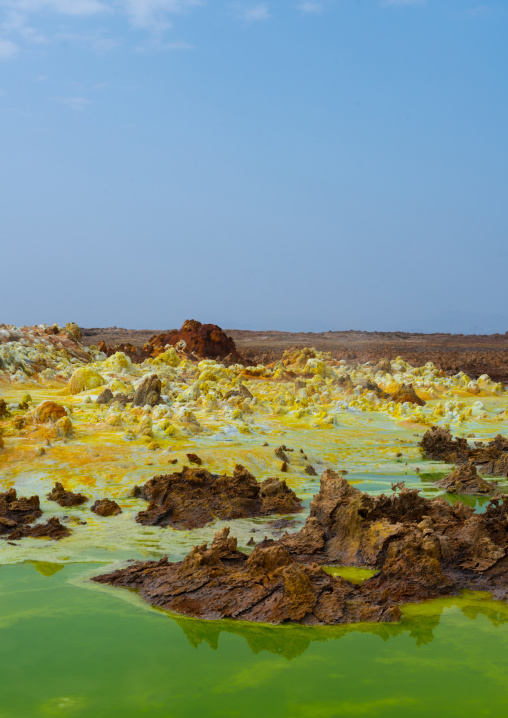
[85, 378]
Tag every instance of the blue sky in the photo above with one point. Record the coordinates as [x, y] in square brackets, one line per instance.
[307, 165]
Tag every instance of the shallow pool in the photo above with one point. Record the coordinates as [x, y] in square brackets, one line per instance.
[71, 648]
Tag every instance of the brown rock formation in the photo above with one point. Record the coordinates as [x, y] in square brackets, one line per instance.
[3, 409]
[268, 586]
[491, 458]
[105, 397]
[148, 391]
[411, 570]
[423, 549]
[106, 507]
[465, 480]
[52, 529]
[203, 341]
[406, 393]
[16, 511]
[64, 497]
[194, 497]
[49, 411]
[349, 527]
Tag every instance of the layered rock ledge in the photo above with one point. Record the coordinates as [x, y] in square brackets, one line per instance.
[268, 586]
[194, 497]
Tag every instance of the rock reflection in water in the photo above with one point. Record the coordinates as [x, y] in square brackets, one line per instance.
[290, 641]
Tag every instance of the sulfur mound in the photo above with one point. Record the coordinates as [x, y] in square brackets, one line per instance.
[64, 497]
[491, 458]
[194, 497]
[268, 586]
[203, 341]
[465, 480]
[84, 379]
[106, 507]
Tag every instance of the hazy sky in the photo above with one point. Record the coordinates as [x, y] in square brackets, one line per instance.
[317, 165]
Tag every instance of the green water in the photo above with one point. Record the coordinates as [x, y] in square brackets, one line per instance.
[71, 648]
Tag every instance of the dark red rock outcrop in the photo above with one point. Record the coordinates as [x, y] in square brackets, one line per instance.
[203, 341]
[52, 529]
[268, 586]
[465, 480]
[16, 511]
[64, 497]
[148, 391]
[106, 507]
[490, 458]
[194, 497]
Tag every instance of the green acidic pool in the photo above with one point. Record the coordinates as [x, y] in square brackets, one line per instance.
[71, 648]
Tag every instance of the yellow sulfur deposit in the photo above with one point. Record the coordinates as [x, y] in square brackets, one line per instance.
[83, 379]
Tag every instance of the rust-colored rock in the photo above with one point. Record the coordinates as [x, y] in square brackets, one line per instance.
[490, 458]
[194, 497]
[106, 507]
[268, 586]
[406, 393]
[64, 497]
[465, 480]
[194, 459]
[3, 409]
[49, 411]
[16, 511]
[203, 341]
[52, 529]
[148, 391]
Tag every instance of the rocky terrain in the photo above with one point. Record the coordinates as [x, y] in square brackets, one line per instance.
[422, 549]
[93, 428]
[473, 354]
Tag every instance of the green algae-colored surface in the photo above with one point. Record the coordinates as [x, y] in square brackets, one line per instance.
[72, 648]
